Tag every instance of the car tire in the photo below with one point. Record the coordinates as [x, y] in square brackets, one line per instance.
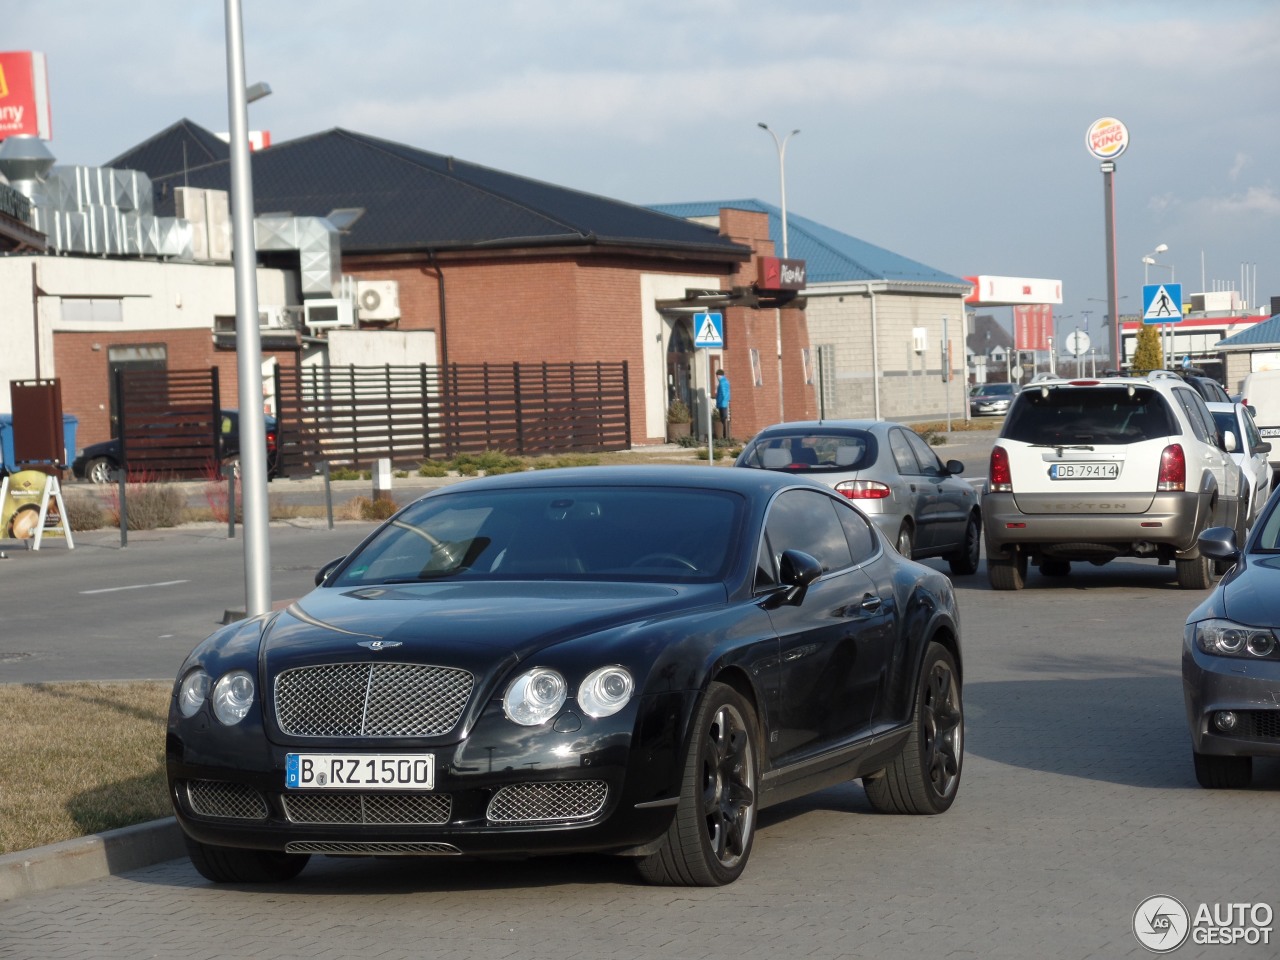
[1055, 568]
[905, 542]
[98, 470]
[1006, 574]
[965, 560]
[236, 865]
[1223, 773]
[1196, 574]
[925, 776]
[710, 836]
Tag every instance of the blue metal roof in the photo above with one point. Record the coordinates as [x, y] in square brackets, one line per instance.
[830, 256]
[1265, 333]
[416, 200]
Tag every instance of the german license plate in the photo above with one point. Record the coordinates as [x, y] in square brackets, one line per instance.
[360, 771]
[1106, 470]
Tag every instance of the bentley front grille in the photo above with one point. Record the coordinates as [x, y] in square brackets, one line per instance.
[371, 700]
[338, 848]
[229, 801]
[369, 808]
[540, 802]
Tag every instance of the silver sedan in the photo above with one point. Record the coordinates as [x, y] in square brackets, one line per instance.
[923, 506]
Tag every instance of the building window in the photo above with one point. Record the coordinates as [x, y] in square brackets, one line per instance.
[92, 310]
[806, 361]
[756, 376]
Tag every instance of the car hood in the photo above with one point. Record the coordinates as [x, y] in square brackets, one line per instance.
[471, 625]
[1248, 594]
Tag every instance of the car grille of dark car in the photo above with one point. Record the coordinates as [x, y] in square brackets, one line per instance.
[558, 800]
[230, 801]
[371, 808]
[338, 848]
[1259, 724]
[371, 700]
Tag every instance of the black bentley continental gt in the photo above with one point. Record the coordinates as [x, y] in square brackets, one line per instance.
[624, 660]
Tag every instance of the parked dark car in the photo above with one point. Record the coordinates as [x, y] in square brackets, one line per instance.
[633, 660]
[1231, 656]
[925, 507]
[992, 399]
[97, 461]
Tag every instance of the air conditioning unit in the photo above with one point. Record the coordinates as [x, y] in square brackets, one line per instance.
[378, 299]
[325, 314]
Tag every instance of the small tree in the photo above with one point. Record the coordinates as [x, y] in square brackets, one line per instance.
[1147, 356]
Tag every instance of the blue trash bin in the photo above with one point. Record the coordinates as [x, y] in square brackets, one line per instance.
[6, 440]
[70, 423]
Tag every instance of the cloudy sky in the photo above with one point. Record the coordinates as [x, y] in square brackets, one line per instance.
[951, 132]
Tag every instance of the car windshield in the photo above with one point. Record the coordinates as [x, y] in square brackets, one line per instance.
[1096, 416]
[812, 452]
[997, 390]
[667, 534]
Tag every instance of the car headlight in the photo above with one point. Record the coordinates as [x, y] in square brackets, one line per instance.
[605, 691]
[193, 691]
[1225, 638]
[232, 697]
[534, 697]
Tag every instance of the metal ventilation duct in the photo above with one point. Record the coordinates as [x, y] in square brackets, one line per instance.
[319, 249]
[24, 157]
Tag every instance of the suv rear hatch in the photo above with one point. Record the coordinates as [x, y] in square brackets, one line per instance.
[1081, 449]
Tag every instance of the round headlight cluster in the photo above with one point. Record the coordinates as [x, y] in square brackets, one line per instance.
[1225, 638]
[605, 691]
[232, 696]
[537, 695]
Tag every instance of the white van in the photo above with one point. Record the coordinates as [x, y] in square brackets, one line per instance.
[1261, 391]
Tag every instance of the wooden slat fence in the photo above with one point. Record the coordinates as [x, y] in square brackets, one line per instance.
[169, 422]
[356, 415]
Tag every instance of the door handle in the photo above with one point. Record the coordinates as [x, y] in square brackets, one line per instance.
[871, 603]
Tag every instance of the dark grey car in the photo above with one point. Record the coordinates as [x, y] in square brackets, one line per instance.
[886, 470]
[1231, 656]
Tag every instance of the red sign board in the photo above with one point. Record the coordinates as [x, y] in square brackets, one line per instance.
[776, 273]
[24, 96]
[1032, 326]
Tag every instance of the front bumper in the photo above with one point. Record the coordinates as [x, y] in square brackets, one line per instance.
[1172, 520]
[610, 785]
[1248, 688]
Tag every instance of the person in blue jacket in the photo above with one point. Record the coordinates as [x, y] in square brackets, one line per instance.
[722, 401]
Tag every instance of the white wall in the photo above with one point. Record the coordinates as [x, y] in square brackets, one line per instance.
[655, 333]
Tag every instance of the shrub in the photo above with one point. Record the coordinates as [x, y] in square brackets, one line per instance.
[367, 508]
[148, 505]
[433, 468]
[678, 412]
[84, 513]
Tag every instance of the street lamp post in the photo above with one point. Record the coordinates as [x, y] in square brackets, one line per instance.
[253, 436]
[1119, 338]
[781, 146]
[1166, 333]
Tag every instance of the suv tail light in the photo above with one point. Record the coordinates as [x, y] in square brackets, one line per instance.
[271, 441]
[998, 473]
[863, 489]
[1173, 469]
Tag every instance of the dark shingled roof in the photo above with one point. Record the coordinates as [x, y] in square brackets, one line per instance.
[174, 149]
[415, 200]
[830, 256]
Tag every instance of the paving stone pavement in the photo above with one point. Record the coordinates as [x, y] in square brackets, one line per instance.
[1078, 801]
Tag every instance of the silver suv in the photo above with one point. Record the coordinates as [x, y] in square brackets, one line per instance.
[1091, 470]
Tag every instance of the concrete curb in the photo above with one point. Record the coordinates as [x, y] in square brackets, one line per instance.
[89, 858]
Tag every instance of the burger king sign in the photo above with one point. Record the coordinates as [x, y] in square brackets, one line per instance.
[1107, 138]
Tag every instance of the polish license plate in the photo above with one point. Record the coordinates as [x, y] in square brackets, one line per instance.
[360, 771]
[1106, 470]
[1269, 431]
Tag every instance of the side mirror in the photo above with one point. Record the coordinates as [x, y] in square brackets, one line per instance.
[797, 570]
[955, 467]
[323, 573]
[1229, 441]
[1263, 447]
[1219, 543]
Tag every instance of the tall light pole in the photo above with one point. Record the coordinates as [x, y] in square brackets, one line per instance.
[1113, 319]
[1166, 334]
[253, 431]
[781, 146]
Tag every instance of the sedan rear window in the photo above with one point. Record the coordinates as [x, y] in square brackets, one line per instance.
[1099, 416]
[812, 452]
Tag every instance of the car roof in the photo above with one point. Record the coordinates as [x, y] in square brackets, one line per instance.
[1221, 406]
[750, 483]
[823, 426]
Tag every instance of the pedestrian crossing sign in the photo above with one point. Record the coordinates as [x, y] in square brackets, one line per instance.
[708, 330]
[1162, 303]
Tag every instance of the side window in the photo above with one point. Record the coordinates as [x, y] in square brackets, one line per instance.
[766, 577]
[857, 530]
[1198, 414]
[903, 456]
[806, 520]
[1252, 438]
[929, 461]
